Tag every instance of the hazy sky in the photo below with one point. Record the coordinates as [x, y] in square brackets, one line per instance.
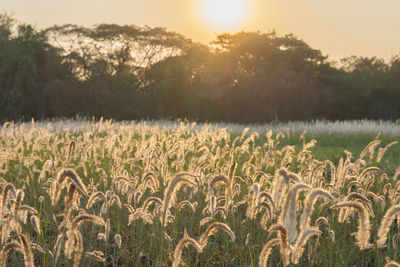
[338, 27]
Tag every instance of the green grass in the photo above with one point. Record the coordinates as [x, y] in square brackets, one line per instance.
[103, 162]
[332, 147]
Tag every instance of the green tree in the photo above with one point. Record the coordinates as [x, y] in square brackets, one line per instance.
[30, 70]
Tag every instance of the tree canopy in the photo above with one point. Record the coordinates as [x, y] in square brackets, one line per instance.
[131, 72]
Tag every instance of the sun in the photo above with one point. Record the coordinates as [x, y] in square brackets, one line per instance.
[224, 14]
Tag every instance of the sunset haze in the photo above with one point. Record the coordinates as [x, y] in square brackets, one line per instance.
[338, 28]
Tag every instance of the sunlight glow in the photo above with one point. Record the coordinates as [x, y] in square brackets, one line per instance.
[224, 14]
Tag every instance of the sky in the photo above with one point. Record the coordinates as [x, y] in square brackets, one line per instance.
[339, 28]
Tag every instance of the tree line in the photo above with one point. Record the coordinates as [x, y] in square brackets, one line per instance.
[131, 72]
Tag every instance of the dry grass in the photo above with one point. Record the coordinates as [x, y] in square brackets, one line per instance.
[119, 194]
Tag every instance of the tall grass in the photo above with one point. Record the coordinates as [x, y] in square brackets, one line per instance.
[141, 193]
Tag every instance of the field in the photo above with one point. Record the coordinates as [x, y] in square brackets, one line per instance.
[146, 194]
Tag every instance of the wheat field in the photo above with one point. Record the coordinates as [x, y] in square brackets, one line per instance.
[100, 193]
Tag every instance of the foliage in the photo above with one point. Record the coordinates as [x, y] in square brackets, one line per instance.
[131, 72]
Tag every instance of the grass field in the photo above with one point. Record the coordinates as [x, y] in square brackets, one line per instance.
[126, 194]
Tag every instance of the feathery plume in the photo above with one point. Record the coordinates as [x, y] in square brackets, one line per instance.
[118, 240]
[301, 241]
[18, 201]
[78, 248]
[57, 248]
[140, 214]
[212, 228]
[392, 264]
[268, 197]
[309, 203]
[59, 184]
[320, 220]
[179, 247]
[151, 200]
[288, 217]
[94, 197]
[36, 223]
[27, 249]
[386, 222]
[96, 256]
[266, 250]
[9, 188]
[363, 230]
[6, 248]
[344, 213]
[283, 241]
[172, 188]
[218, 179]
[370, 148]
[86, 217]
[382, 151]
[287, 176]
[71, 149]
[367, 171]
